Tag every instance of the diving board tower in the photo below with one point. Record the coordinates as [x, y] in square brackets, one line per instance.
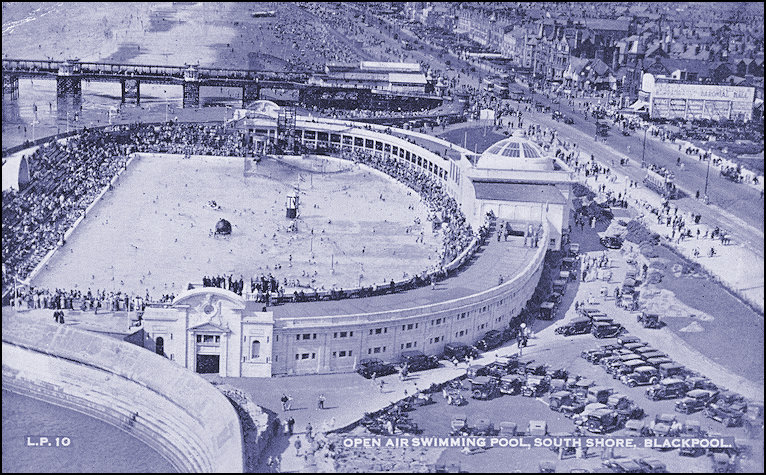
[292, 206]
[286, 132]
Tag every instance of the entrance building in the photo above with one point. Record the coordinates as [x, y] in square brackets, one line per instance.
[211, 330]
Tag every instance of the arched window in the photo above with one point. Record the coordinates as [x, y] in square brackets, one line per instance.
[255, 349]
[160, 346]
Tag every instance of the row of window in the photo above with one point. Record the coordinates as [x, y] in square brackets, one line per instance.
[342, 354]
[409, 345]
[343, 334]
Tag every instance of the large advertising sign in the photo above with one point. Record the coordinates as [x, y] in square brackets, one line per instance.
[701, 101]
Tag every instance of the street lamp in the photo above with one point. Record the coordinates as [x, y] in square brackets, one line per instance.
[707, 174]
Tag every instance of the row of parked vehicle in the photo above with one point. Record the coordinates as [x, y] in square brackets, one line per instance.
[635, 363]
[594, 321]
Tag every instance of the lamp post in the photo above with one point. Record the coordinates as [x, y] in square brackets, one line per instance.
[707, 174]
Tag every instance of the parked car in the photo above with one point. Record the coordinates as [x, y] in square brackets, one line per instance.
[565, 402]
[625, 339]
[700, 382]
[602, 421]
[578, 326]
[622, 466]
[369, 366]
[599, 394]
[626, 368]
[547, 311]
[724, 413]
[459, 351]
[649, 320]
[511, 384]
[534, 386]
[665, 425]
[651, 465]
[492, 339]
[695, 400]
[417, 361]
[668, 388]
[671, 370]
[484, 387]
[642, 376]
[624, 406]
[606, 330]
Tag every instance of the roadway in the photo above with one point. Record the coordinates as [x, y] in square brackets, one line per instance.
[737, 208]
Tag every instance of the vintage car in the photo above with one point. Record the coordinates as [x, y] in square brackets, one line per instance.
[653, 354]
[656, 362]
[725, 413]
[651, 465]
[700, 382]
[665, 425]
[483, 387]
[649, 320]
[547, 311]
[595, 355]
[668, 388]
[492, 339]
[634, 346]
[695, 400]
[644, 350]
[459, 351]
[560, 286]
[581, 386]
[624, 406]
[627, 367]
[578, 326]
[369, 366]
[511, 384]
[600, 319]
[636, 428]
[417, 361]
[622, 466]
[590, 312]
[496, 369]
[641, 376]
[672, 370]
[475, 370]
[606, 330]
[602, 421]
[574, 249]
[565, 402]
[599, 394]
[625, 339]
[534, 386]
[722, 463]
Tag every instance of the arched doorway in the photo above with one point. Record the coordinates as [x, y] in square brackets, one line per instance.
[255, 349]
[160, 346]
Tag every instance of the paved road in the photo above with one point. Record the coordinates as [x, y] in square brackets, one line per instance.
[737, 208]
[740, 200]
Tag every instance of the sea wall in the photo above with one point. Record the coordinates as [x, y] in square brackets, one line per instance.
[178, 413]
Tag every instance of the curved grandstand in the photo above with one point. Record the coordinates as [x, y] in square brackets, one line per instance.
[262, 329]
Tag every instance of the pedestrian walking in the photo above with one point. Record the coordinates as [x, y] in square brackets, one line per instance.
[320, 402]
[284, 400]
[290, 425]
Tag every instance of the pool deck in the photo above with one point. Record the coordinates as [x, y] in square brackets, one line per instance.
[482, 272]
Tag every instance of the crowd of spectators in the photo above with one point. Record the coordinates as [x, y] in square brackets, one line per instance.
[89, 300]
[67, 177]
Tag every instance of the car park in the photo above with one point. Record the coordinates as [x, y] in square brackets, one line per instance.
[459, 351]
[641, 376]
[417, 361]
[656, 362]
[668, 388]
[700, 382]
[695, 400]
[578, 326]
[653, 354]
[369, 366]
[634, 346]
[580, 387]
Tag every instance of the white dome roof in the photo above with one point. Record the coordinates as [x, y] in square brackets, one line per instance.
[515, 153]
